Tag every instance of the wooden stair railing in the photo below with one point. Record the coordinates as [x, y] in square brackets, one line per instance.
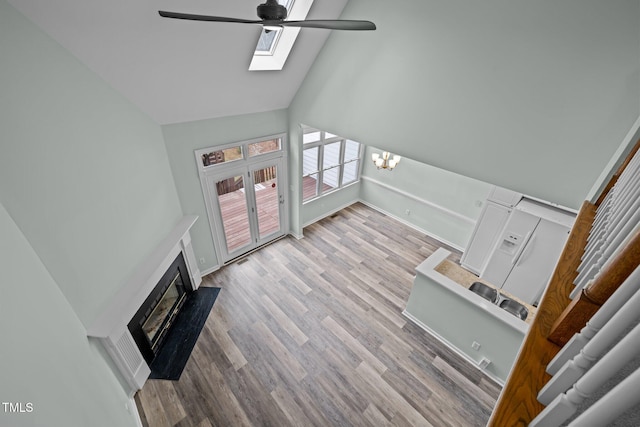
[518, 404]
[580, 310]
[559, 317]
[617, 174]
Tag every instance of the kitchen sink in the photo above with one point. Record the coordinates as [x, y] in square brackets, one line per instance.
[515, 308]
[493, 296]
[486, 292]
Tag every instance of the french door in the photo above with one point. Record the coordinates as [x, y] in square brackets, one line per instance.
[247, 206]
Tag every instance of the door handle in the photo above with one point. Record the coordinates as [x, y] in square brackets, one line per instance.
[516, 258]
[526, 250]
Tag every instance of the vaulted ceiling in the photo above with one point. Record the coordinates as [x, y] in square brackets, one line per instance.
[176, 70]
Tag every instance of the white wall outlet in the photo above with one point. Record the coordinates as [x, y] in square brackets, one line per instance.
[484, 363]
[201, 260]
[475, 345]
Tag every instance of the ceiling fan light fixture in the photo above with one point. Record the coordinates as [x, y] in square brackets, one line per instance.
[272, 11]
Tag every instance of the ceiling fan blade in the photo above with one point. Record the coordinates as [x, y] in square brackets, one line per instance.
[190, 17]
[342, 24]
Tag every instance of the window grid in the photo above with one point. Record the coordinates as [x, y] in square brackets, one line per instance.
[326, 158]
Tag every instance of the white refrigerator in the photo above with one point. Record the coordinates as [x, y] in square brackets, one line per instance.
[528, 249]
[490, 224]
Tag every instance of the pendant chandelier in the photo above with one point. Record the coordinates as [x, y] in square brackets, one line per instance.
[385, 161]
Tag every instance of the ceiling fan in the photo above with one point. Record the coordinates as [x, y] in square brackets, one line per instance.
[273, 14]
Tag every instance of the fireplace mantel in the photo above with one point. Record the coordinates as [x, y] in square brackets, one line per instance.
[110, 327]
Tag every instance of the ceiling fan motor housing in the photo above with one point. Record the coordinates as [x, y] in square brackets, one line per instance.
[272, 11]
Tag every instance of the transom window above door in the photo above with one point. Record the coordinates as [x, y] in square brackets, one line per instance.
[242, 151]
[329, 162]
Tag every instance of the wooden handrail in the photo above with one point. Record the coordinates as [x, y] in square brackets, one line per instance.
[613, 274]
[518, 404]
[616, 175]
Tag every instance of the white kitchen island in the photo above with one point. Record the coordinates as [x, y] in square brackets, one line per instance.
[485, 334]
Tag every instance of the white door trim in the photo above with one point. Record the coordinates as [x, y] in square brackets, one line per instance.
[246, 165]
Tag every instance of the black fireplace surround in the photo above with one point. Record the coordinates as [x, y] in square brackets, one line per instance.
[150, 324]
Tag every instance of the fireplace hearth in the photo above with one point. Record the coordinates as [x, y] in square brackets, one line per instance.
[152, 321]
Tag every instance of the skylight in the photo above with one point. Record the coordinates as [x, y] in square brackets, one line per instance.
[267, 42]
[269, 37]
[274, 45]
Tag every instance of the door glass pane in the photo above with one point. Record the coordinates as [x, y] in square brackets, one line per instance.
[267, 200]
[233, 207]
[264, 147]
[222, 156]
[331, 155]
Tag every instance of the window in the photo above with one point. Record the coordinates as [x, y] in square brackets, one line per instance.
[329, 162]
[221, 156]
[264, 147]
[267, 41]
[216, 156]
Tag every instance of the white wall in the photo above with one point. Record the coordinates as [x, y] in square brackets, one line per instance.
[316, 209]
[47, 360]
[530, 95]
[443, 204]
[83, 172]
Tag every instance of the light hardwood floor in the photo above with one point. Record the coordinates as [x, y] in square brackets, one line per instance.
[310, 332]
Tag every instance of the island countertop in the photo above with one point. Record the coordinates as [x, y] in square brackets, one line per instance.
[465, 278]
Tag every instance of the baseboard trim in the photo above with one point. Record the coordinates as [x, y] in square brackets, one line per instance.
[455, 349]
[327, 214]
[209, 270]
[296, 235]
[415, 227]
[133, 409]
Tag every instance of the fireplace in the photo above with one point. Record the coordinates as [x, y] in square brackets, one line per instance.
[114, 327]
[150, 324]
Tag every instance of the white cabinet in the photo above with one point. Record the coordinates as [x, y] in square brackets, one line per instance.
[504, 196]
